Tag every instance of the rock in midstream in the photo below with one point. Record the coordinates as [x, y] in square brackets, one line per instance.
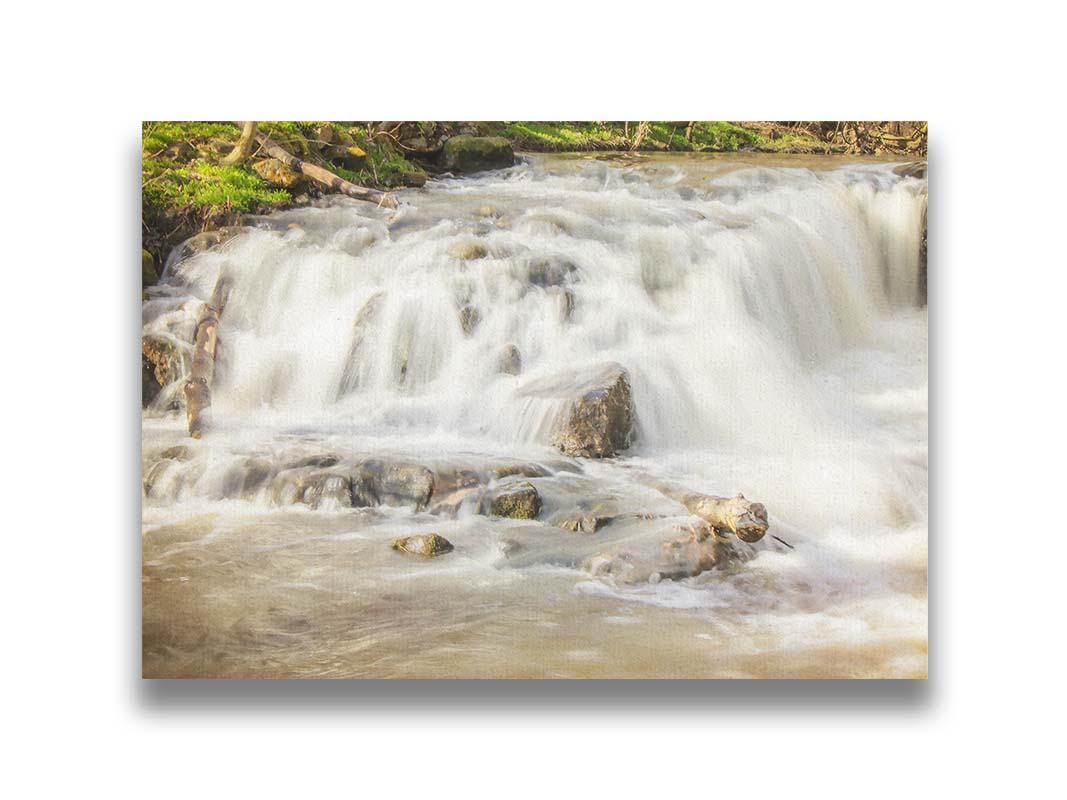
[423, 544]
[700, 550]
[311, 487]
[161, 365]
[509, 362]
[598, 417]
[518, 500]
[395, 483]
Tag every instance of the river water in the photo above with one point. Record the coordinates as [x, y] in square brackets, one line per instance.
[766, 309]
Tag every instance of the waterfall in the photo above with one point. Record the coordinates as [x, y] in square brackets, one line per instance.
[767, 312]
[726, 295]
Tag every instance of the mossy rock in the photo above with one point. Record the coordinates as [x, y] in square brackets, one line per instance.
[279, 174]
[516, 501]
[149, 276]
[477, 153]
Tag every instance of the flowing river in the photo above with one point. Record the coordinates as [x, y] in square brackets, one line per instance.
[767, 311]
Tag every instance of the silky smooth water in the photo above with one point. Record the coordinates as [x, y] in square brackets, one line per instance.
[767, 311]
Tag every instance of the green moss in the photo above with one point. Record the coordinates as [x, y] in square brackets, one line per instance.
[563, 136]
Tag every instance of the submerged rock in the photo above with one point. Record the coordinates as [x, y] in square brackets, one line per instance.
[311, 487]
[394, 483]
[468, 251]
[702, 549]
[509, 362]
[517, 501]
[469, 317]
[423, 544]
[476, 153]
[204, 241]
[550, 271]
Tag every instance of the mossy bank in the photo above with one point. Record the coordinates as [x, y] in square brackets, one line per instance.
[187, 189]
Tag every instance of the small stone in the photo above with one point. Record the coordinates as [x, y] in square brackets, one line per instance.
[423, 544]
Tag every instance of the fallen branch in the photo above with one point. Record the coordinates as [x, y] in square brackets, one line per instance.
[198, 387]
[323, 176]
[741, 517]
[243, 149]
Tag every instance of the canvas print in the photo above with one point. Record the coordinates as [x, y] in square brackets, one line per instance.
[594, 399]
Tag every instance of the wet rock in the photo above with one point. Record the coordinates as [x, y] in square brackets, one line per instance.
[516, 501]
[413, 178]
[179, 452]
[565, 301]
[149, 276]
[476, 153]
[423, 544]
[598, 420]
[204, 241]
[701, 550]
[311, 487]
[584, 523]
[394, 483]
[467, 251]
[245, 478]
[523, 469]
[469, 317]
[363, 322]
[550, 271]
[922, 259]
[509, 362]
[279, 174]
[161, 365]
[320, 460]
[916, 169]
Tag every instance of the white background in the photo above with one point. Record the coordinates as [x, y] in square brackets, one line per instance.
[77, 83]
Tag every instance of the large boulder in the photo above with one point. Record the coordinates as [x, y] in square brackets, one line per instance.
[597, 419]
[476, 153]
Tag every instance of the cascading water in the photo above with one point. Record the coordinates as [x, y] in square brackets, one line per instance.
[767, 313]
